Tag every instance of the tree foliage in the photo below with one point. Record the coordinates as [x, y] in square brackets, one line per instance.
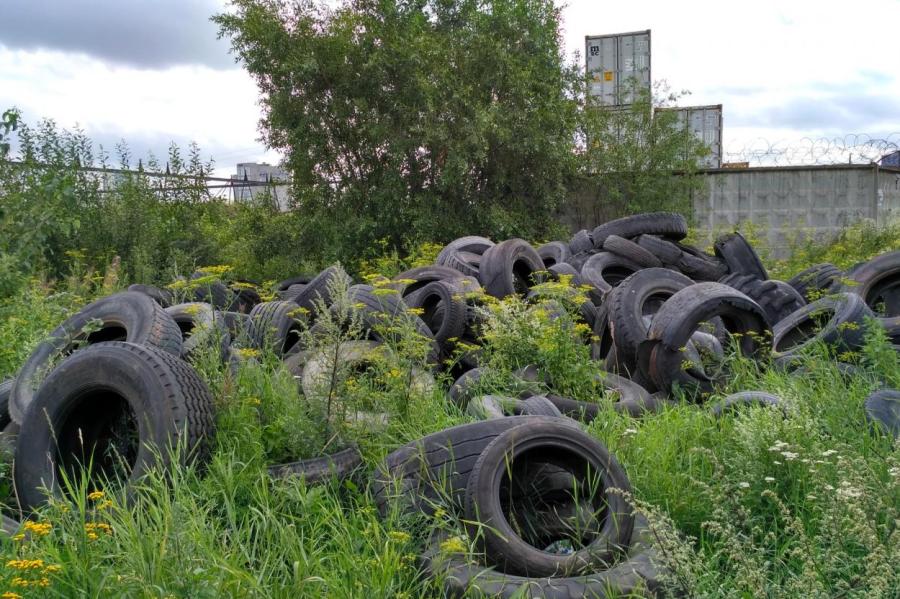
[415, 119]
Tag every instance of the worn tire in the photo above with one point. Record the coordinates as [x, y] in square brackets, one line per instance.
[5, 391]
[423, 275]
[606, 270]
[163, 297]
[555, 443]
[461, 254]
[739, 255]
[883, 411]
[878, 283]
[445, 311]
[660, 356]
[640, 295]
[817, 280]
[745, 398]
[317, 290]
[201, 326]
[581, 242]
[216, 293]
[127, 316]
[436, 468]
[776, 298]
[554, 252]
[508, 268]
[338, 466]
[844, 329]
[632, 251]
[666, 251]
[275, 326]
[666, 224]
[638, 574]
[83, 403]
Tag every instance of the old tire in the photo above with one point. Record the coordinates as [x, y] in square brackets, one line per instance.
[111, 399]
[883, 411]
[508, 268]
[274, 326]
[817, 280]
[660, 356]
[836, 320]
[562, 446]
[632, 251]
[201, 327]
[776, 298]
[606, 270]
[745, 398]
[338, 465]
[127, 316]
[878, 283]
[739, 255]
[666, 224]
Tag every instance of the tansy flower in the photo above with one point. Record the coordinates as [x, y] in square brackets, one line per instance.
[399, 536]
[453, 545]
[95, 495]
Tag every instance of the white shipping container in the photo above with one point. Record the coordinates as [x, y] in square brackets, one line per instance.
[618, 66]
[705, 122]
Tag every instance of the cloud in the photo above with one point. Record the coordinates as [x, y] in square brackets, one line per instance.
[148, 108]
[138, 33]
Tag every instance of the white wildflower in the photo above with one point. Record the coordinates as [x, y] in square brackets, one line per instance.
[829, 453]
[744, 485]
[769, 479]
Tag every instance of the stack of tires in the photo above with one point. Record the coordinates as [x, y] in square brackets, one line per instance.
[545, 504]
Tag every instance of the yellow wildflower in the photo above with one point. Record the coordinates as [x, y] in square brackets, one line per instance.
[38, 528]
[19, 582]
[10, 595]
[95, 495]
[453, 545]
[92, 536]
[399, 536]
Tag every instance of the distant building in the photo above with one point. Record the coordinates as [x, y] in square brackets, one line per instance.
[276, 182]
[892, 159]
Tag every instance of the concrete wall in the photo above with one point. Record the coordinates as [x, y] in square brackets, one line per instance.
[784, 202]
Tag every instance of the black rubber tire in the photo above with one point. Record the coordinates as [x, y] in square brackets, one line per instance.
[200, 326]
[243, 299]
[739, 255]
[296, 280]
[554, 252]
[745, 398]
[79, 404]
[379, 312]
[640, 295]
[337, 466]
[577, 260]
[878, 283]
[423, 275]
[559, 444]
[892, 328]
[238, 324]
[275, 326]
[666, 224]
[508, 268]
[435, 469]
[581, 242]
[700, 267]
[5, 391]
[637, 575]
[632, 251]
[463, 388]
[660, 356]
[602, 343]
[459, 254]
[564, 269]
[216, 293]
[667, 252]
[818, 280]
[448, 322]
[163, 297]
[318, 289]
[844, 330]
[127, 316]
[9, 526]
[291, 292]
[776, 298]
[537, 405]
[883, 411]
[606, 270]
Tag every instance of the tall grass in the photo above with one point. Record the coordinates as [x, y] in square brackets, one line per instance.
[759, 503]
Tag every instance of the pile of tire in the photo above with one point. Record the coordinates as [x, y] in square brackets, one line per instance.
[545, 504]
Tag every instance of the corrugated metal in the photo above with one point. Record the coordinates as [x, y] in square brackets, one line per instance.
[705, 122]
[612, 61]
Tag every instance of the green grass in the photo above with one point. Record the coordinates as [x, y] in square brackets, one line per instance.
[751, 505]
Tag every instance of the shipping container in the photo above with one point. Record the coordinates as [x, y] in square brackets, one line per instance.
[705, 122]
[618, 65]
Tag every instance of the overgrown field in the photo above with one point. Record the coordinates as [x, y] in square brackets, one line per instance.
[750, 505]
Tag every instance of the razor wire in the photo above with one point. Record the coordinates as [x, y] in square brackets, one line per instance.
[857, 148]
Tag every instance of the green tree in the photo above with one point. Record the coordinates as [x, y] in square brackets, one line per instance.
[409, 120]
[636, 158]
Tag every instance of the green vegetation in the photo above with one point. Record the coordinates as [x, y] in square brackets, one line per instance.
[751, 505]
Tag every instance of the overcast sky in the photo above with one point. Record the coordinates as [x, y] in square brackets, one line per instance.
[151, 71]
